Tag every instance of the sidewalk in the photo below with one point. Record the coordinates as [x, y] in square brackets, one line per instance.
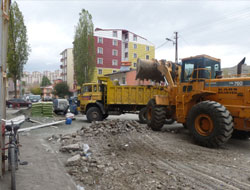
[44, 170]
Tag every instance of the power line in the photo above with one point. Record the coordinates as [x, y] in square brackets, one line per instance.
[229, 18]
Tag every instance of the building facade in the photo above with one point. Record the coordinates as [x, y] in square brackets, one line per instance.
[67, 67]
[114, 47]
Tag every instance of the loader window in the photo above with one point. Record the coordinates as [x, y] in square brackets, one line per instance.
[189, 68]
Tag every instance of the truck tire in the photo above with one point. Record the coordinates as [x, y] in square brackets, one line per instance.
[143, 115]
[94, 114]
[105, 116]
[210, 124]
[156, 115]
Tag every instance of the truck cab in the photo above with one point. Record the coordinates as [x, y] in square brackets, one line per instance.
[90, 94]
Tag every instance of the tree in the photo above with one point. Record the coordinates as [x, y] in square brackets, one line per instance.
[36, 90]
[84, 49]
[45, 81]
[62, 89]
[18, 48]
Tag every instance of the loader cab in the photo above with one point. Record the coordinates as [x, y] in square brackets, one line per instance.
[200, 68]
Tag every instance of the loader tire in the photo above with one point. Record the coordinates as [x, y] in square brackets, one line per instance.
[169, 121]
[210, 124]
[143, 115]
[94, 114]
[156, 115]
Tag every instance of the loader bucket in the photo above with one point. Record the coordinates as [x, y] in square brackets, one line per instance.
[147, 70]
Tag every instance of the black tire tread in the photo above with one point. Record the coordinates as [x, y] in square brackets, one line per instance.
[143, 115]
[92, 109]
[222, 119]
[158, 116]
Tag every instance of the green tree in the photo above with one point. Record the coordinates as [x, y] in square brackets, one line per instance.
[36, 90]
[45, 81]
[84, 48]
[62, 89]
[18, 48]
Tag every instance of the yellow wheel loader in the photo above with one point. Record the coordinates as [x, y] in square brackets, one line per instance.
[210, 106]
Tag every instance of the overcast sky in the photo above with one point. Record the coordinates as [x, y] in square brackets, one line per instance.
[217, 28]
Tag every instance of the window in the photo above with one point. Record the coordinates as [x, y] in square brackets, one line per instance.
[100, 50]
[135, 37]
[99, 60]
[114, 62]
[126, 54]
[147, 56]
[87, 88]
[147, 48]
[126, 45]
[135, 46]
[123, 80]
[114, 33]
[95, 88]
[189, 68]
[114, 71]
[100, 40]
[114, 52]
[126, 36]
[99, 71]
[115, 43]
[135, 55]
[134, 64]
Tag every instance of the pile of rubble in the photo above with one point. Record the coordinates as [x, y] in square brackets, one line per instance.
[87, 164]
[112, 127]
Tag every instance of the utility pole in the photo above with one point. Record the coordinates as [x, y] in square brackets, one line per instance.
[176, 47]
[175, 42]
[4, 18]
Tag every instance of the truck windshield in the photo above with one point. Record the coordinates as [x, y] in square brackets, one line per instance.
[87, 89]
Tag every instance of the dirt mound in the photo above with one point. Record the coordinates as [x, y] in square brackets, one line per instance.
[112, 127]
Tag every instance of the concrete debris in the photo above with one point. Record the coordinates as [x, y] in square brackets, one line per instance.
[111, 127]
[73, 147]
[73, 160]
[86, 165]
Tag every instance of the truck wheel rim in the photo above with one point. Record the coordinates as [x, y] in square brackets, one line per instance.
[204, 124]
[94, 115]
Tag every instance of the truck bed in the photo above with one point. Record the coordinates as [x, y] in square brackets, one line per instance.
[139, 95]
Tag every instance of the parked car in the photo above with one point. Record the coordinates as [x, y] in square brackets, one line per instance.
[35, 98]
[17, 102]
[60, 106]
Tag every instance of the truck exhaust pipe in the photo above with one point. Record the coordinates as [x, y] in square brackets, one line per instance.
[239, 66]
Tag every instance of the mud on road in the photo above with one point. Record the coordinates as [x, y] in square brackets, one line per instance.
[134, 157]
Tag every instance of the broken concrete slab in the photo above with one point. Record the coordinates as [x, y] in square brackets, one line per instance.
[73, 147]
[74, 160]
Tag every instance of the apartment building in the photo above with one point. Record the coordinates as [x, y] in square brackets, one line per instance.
[67, 67]
[115, 47]
[35, 77]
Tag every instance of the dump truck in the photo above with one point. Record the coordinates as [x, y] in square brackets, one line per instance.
[99, 100]
[210, 106]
